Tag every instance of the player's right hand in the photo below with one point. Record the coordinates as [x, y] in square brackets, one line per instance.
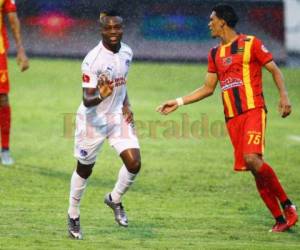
[167, 107]
[105, 86]
[22, 59]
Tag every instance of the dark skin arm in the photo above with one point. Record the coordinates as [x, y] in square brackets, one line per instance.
[127, 113]
[91, 96]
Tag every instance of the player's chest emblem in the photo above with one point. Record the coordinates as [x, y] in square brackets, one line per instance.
[227, 61]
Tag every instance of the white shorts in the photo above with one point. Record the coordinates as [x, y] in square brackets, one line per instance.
[89, 138]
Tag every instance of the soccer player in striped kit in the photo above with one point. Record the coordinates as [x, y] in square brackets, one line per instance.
[8, 8]
[237, 65]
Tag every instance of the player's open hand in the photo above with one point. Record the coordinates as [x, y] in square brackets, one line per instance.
[105, 86]
[22, 60]
[167, 107]
[285, 107]
[128, 114]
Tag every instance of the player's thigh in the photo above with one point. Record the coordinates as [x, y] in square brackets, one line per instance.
[254, 132]
[235, 131]
[123, 137]
[88, 141]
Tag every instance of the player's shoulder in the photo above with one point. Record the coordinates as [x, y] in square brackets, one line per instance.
[91, 57]
[126, 49]
[248, 37]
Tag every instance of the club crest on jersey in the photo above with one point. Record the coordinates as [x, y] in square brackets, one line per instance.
[85, 78]
[227, 61]
[83, 152]
[127, 62]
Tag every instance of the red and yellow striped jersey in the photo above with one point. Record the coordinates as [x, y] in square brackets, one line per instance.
[5, 7]
[239, 69]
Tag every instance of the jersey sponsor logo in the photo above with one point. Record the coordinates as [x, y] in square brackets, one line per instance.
[264, 49]
[83, 153]
[85, 78]
[227, 61]
[230, 82]
[119, 81]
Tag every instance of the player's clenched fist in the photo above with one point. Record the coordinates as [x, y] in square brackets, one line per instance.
[167, 107]
[105, 86]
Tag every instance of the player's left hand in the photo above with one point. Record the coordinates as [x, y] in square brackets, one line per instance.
[285, 107]
[128, 114]
[22, 59]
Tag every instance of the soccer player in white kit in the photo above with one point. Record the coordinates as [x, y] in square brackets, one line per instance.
[104, 113]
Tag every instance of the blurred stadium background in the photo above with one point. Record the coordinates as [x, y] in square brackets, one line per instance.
[157, 30]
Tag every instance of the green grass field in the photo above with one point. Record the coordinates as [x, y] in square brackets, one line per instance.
[187, 195]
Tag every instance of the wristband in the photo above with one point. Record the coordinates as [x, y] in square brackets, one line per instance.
[179, 101]
[100, 97]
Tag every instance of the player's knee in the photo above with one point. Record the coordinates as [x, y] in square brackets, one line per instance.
[84, 171]
[252, 162]
[3, 100]
[134, 166]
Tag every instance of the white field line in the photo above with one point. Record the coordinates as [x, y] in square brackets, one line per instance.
[294, 138]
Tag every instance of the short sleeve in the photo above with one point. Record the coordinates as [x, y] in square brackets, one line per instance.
[211, 66]
[9, 6]
[261, 53]
[89, 78]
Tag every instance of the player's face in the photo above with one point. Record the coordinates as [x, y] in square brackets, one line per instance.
[112, 30]
[215, 25]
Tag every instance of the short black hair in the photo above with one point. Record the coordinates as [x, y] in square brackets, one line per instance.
[105, 13]
[227, 13]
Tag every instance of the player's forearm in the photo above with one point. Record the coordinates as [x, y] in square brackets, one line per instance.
[279, 82]
[197, 95]
[91, 99]
[16, 29]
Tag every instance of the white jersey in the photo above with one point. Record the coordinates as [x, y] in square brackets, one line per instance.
[101, 60]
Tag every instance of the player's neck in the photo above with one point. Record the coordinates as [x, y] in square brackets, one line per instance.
[228, 36]
[112, 48]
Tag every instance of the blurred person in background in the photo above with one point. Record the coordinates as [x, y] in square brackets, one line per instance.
[8, 8]
[236, 63]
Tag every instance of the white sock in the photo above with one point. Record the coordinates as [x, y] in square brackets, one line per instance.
[78, 184]
[125, 180]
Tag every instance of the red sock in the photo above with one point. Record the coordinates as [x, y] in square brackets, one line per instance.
[5, 125]
[270, 178]
[268, 197]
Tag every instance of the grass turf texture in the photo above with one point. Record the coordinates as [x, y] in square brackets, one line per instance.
[186, 197]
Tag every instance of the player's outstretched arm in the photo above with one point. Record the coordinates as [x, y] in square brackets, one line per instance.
[22, 59]
[285, 107]
[206, 90]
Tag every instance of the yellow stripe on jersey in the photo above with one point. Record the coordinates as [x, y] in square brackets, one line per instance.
[228, 103]
[246, 72]
[263, 122]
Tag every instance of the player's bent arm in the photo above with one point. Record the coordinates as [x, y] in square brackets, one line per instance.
[90, 97]
[285, 106]
[204, 91]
